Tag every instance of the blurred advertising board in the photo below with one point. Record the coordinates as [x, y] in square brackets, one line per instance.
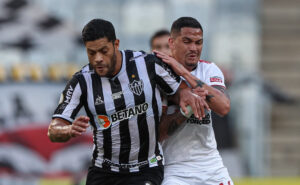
[26, 153]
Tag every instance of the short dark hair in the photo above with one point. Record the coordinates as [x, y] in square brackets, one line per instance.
[159, 33]
[182, 22]
[97, 29]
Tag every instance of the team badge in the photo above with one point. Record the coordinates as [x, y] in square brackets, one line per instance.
[103, 121]
[137, 87]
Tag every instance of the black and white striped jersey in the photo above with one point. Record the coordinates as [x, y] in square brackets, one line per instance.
[124, 110]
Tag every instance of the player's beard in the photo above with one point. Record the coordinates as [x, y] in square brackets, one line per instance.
[112, 66]
[192, 63]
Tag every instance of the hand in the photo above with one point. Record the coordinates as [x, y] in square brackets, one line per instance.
[200, 91]
[78, 126]
[174, 64]
[197, 103]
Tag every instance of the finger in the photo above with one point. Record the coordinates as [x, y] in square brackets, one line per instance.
[201, 94]
[206, 106]
[198, 106]
[194, 108]
[202, 109]
[81, 124]
[78, 128]
[75, 133]
[83, 118]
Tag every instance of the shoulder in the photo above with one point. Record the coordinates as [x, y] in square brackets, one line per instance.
[87, 69]
[148, 57]
[208, 66]
[79, 75]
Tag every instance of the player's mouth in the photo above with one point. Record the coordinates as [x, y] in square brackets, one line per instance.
[100, 68]
[192, 56]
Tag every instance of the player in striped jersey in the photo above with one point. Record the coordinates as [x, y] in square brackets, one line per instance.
[119, 91]
[189, 144]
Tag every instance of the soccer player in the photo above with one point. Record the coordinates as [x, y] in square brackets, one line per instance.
[189, 143]
[159, 41]
[118, 89]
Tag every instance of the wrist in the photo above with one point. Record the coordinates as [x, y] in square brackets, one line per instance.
[69, 131]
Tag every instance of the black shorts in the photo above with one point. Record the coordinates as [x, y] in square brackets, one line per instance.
[149, 176]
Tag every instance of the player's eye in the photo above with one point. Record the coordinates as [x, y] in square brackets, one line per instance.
[91, 53]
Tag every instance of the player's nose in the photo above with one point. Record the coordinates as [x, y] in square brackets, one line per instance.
[98, 58]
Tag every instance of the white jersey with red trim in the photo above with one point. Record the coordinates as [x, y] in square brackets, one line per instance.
[192, 148]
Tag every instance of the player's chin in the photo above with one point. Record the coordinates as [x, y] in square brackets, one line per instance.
[101, 72]
[192, 62]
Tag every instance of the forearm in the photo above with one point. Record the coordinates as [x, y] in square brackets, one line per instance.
[59, 130]
[169, 124]
[176, 97]
[217, 100]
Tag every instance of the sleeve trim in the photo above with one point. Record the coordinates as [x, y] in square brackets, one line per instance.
[176, 88]
[63, 117]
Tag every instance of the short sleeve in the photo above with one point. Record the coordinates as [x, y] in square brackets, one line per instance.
[70, 101]
[165, 77]
[214, 76]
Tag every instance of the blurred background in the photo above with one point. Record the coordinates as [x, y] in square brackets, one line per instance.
[256, 43]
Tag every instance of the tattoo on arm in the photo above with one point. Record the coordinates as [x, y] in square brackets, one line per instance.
[170, 123]
[222, 89]
[199, 83]
[209, 96]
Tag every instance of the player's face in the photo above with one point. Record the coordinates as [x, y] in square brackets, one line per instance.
[186, 47]
[102, 56]
[161, 44]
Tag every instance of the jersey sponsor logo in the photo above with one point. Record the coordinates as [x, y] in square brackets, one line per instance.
[69, 94]
[194, 120]
[128, 113]
[107, 162]
[117, 95]
[104, 121]
[216, 79]
[136, 87]
[99, 101]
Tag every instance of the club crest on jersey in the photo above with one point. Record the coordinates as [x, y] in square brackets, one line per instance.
[136, 87]
[103, 121]
[99, 101]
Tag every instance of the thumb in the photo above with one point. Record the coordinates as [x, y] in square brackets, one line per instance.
[83, 119]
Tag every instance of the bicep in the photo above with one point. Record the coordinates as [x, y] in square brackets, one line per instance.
[70, 102]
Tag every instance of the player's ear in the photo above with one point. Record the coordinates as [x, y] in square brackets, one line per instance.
[171, 43]
[116, 44]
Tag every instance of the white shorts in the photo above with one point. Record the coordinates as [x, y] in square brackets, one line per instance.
[215, 178]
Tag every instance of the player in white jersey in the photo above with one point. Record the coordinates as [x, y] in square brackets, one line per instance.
[189, 145]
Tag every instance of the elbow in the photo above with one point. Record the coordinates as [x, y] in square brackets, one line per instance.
[225, 109]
